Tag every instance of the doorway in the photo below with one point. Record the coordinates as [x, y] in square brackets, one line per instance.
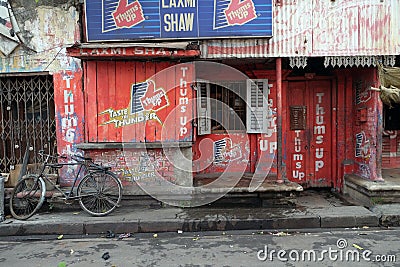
[310, 151]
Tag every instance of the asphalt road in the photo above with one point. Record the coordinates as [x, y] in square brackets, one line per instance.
[345, 247]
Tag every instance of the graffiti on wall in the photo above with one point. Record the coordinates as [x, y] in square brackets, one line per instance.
[364, 170]
[145, 101]
[363, 95]
[363, 146]
[137, 165]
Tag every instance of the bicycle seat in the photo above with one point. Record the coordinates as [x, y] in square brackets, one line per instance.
[56, 166]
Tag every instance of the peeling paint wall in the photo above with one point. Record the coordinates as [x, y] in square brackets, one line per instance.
[47, 28]
[46, 31]
[368, 122]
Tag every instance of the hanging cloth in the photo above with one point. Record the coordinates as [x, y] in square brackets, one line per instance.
[389, 78]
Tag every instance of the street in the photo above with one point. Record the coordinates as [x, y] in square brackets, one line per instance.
[343, 247]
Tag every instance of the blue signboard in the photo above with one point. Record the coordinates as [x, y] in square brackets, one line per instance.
[119, 20]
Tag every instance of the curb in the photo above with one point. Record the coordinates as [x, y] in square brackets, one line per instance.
[186, 225]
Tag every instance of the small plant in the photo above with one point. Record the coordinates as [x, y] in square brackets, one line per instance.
[377, 200]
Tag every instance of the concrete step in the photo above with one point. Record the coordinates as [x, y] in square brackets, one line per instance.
[370, 193]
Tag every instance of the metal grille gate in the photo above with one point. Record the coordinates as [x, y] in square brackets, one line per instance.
[27, 117]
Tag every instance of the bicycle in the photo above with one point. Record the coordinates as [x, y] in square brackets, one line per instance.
[99, 191]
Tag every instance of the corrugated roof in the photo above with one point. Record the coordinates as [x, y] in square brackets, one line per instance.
[320, 28]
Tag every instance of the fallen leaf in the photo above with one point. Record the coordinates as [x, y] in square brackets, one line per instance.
[60, 237]
[365, 227]
[155, 235]
[71, 251]
[62, 264]
[357, 247]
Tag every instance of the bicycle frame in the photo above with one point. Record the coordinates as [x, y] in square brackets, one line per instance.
[85, 165]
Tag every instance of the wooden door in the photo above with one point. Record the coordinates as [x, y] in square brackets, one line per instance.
[309, 126]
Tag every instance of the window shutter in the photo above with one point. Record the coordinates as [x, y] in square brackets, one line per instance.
[203, 109]
[257, 106]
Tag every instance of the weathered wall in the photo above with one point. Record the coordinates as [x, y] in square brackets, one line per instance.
[367, 125]
[46, 31]
[144, 170]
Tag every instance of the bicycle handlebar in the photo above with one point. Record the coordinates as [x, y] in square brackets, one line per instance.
[78, 158]
[75, 157]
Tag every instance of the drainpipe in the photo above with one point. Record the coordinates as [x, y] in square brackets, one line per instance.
[281, 173]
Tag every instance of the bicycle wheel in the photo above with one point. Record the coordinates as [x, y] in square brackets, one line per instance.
[27, 197]
[99, 193]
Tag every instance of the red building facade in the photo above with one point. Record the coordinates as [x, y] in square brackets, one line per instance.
[291, 109]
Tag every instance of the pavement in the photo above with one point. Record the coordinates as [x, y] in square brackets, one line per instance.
[309, 209]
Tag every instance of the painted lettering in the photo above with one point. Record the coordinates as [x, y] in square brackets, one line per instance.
[298, 174]
[298, 157]
[178, 3]
[69, 120]
[265, 145]
[178, 22]
[318, 165]
[319, 130]
[183, 102]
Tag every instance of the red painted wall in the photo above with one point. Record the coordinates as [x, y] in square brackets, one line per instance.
[390, 148]
[367, 125]
[69, 116]
[109, 87]
[257, 152]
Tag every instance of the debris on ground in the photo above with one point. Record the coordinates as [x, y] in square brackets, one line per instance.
[357, 247]
[106, 256]
[124, 235]
[281, 234]
[110, 234]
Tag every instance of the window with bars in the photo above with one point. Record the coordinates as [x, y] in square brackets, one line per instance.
[232, 106]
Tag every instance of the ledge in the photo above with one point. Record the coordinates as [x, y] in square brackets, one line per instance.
[89, 146]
